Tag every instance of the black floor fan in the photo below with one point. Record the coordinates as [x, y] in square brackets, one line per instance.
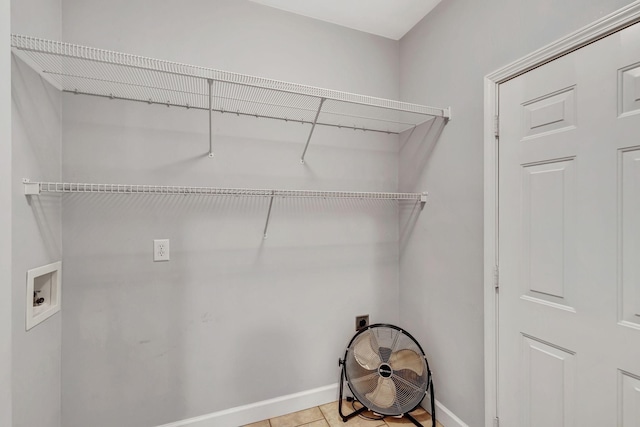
[387, 372]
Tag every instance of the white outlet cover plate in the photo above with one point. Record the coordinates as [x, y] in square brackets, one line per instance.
[161, 250]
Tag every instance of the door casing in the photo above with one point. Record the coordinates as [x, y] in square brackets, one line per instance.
[597, 30]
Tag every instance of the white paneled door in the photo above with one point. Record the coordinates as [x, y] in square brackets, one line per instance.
[569, 240]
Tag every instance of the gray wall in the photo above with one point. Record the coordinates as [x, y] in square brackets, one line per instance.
[443, 61]
[232, 319]
[148, 343]
[36, 239]
[5, 217]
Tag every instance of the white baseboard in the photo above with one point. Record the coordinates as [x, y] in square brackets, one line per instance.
[263, 410]
[271, 408]
[443, 415]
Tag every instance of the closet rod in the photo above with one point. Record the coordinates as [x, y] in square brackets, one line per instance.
[37, 188]
[240, 113]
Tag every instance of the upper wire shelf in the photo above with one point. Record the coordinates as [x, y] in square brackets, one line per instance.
[90, 71]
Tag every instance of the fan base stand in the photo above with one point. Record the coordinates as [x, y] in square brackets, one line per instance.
[357, 412]
[413, 420]
[346, 418]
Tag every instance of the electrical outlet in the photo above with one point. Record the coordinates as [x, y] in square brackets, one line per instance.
[362, 321]
[161, 250]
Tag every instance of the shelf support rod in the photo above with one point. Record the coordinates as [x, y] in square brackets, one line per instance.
[210, 82]
[313, 126]
[266, 225]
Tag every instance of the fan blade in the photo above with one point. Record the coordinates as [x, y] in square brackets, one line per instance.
[364, 353]
[407, 359]
[385, 393]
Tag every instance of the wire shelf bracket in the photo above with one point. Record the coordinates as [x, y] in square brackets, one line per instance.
[266, 225]
[33, 189]
[313, 126]
[89, 71]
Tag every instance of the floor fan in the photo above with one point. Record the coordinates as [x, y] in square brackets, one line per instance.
[387, 372]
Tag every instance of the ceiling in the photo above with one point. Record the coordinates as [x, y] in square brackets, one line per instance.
[386, 18]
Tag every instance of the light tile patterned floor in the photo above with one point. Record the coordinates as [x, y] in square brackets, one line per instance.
[328, 416]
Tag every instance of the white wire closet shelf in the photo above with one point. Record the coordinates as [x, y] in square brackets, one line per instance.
[90, 71]
[38, 188]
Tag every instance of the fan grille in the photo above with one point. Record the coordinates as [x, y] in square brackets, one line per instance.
[386, 370]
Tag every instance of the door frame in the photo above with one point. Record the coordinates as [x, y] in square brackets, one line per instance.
[6, 282]
[597, 30]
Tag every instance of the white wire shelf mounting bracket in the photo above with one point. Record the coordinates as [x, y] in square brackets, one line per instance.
[266, 224]
[34, 189]
[114, 75]
[313, 126]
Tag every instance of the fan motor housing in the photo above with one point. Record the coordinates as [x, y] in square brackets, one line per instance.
[385, 370]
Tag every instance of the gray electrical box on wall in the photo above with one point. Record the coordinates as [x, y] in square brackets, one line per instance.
[43, 293]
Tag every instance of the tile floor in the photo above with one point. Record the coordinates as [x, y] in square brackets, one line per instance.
[328, 416]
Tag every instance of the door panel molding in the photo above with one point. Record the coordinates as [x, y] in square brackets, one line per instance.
[597, 30]
[628, 399]
[551, 113]
[628, 225]
[548, 383]
[629, 90]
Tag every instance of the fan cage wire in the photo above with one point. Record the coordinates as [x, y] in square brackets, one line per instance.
[409, 391]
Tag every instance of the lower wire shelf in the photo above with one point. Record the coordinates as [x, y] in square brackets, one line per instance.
[38, 188]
